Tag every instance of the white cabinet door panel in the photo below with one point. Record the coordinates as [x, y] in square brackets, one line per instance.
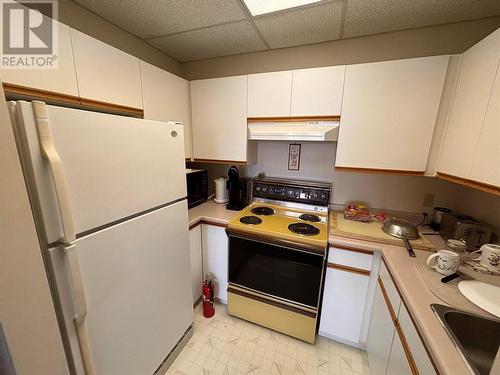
[196, 258]
[486, 165]
[470, 103]
[215, 257]
[419, 354]
[219, 114]
[269, 94]
[106, 73]
[317, 91]
[389, 111]
[60, 80]
[380, 335]
[390, 287]
[344, 299]
[167, 97]
[350, 258]
[398, 363]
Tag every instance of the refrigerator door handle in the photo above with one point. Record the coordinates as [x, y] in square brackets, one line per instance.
[80, 304]
[49, 151]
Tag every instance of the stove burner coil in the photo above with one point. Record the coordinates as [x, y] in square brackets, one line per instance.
[303, 228]
[309, 217]
[264, 211]
[252, 220]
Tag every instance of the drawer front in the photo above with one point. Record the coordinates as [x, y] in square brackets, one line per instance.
[350, 258]
[390, 288]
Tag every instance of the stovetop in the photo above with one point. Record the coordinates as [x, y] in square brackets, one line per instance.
[279, 221]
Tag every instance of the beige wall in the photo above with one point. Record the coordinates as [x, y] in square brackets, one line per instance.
[90, 23]
[26, 310]
[436, 40]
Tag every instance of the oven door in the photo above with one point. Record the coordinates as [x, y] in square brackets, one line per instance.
[281, 271]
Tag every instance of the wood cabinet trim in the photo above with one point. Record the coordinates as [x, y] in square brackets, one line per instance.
[387, 300]
[401, 172]
[492, 189]
[409, 313]
[50, 96]
[217, 161]
[354, 249]
[293, 119]
[345, 268]
[406, 348]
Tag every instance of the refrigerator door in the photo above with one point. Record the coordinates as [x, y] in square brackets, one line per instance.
[136, 277]
[114, 166]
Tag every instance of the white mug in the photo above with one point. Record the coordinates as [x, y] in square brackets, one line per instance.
[490, 257]
[445, 262]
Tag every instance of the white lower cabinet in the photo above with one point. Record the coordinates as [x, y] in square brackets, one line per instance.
[195, 253]
[346, 296]
[215, 257]
[398, 363]
[380, 335]
[414, 342]
[344, 301]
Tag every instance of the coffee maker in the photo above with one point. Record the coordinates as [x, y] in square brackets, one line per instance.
[239, 190]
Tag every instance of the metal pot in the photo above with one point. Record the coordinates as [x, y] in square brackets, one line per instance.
[403, 229]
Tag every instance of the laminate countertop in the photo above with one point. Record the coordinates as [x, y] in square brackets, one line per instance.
[412, 287]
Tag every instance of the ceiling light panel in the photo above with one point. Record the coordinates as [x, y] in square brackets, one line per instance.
[258, 7]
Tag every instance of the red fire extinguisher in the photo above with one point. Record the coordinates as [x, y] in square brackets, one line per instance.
[207, 292]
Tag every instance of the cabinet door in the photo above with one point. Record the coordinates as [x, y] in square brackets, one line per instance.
[486, 165]
[105, 73]
[167, 97]
[380, 335]
[215, 246]
[388, 113]
[269, 94]
[419, 354]
[61, 80]
[219, 108]
[475, 81]
[344, 299]
[398, 363]
[317, 91]
[195, 252]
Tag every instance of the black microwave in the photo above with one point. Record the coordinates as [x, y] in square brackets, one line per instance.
[197, 186]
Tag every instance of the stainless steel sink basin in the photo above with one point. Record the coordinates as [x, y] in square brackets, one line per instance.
[476, 337]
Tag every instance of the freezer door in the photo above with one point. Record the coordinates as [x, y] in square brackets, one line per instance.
[136, 278]
[114, 166]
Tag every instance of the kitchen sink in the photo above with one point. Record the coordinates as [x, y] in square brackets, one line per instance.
[476, 337]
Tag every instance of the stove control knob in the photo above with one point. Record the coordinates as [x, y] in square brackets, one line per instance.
[291, 193]
[257, 189]
[264, 189]
[314, 195]
[323, 197]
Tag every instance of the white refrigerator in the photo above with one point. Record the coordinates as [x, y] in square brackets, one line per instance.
[108, 194]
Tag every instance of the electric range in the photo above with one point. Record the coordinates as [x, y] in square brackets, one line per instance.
[277, 255]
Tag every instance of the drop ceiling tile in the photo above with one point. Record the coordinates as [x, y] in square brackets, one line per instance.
[313, 24]
[365, 17]
[148, 18]
[222, 40]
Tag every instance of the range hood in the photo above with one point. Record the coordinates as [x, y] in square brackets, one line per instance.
[315, 131]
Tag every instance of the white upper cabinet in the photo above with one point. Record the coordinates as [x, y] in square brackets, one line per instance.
[61, 80]
[317, 91]
[388, 113]
[469, 112]
[486, 165]
[269, 94]
[219, 112]
[105, 73]
[167, 97]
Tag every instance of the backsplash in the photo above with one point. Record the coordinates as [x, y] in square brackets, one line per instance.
[391, 192]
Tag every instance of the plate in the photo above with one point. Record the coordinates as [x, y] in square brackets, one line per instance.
[484, 295]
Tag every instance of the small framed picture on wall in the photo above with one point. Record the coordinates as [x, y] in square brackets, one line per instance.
[294, 157]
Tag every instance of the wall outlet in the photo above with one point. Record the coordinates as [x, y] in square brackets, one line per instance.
[428, 200]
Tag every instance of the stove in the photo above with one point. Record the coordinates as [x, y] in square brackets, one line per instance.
[277, 256]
